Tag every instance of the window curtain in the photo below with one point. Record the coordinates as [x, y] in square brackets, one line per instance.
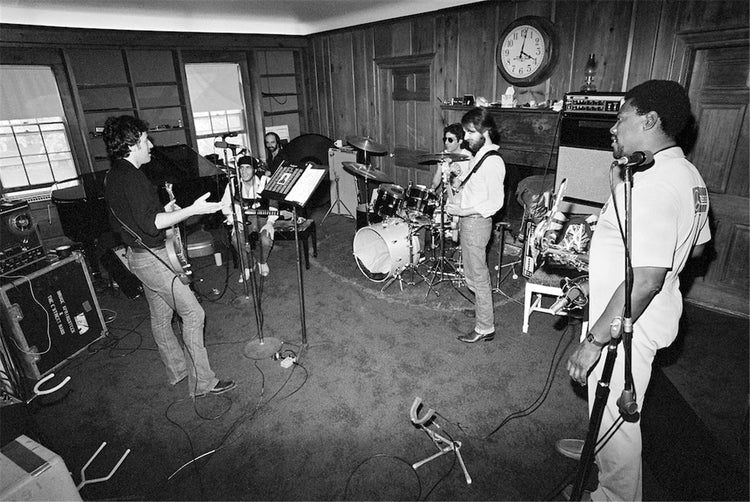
[28, 92]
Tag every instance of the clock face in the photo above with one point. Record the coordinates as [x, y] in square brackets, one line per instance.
[526, 51]
[523, 51]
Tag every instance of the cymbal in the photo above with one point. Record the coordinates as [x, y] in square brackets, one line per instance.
[434, 158]
[366, 144]
[365, 172]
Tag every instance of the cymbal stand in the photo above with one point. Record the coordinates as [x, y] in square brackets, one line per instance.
[338, 200]
[443, 267]
[501, 228]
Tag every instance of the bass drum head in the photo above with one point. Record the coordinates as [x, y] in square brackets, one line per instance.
[382, 250]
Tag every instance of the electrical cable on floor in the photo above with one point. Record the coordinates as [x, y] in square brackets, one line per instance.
[554, 363]
[383, 455]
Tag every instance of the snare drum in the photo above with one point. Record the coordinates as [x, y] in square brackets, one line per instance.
[388, 200]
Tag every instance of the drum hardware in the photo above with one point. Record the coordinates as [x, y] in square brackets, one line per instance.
[436, 158]
[443, 270]
[366, 173]
[338, 201]
[366, 144]
[500, 229]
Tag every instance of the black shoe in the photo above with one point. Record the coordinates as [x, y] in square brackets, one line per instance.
[222, 386]
[474, 337]
[470, 313]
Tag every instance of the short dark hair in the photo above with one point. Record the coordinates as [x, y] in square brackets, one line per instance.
[482, 120]
[454, 129]
[665, 97]
[246, 160]
[120, 133]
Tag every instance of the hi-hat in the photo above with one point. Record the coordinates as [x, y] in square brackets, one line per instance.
[365, 172]
[366, 144]
[434, 158]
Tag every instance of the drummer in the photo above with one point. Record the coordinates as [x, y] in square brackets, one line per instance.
[453, 136]
[251, 207]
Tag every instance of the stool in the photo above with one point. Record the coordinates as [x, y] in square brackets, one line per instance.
[538, 288]
[284, 231]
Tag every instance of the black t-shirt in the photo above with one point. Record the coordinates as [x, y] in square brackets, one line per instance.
[135, 201]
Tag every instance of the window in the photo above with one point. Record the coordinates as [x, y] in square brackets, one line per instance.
[35, 152]
[218, 107]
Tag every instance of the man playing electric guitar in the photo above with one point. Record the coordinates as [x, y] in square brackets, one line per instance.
[140, 219]
[255, 215]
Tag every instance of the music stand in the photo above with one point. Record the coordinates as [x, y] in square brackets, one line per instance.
[293, 185]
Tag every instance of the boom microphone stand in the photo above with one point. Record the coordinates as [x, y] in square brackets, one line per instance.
[627, 401]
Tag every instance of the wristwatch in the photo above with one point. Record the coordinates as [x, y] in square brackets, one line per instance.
[590, 338]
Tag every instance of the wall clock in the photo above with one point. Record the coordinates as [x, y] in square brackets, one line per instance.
[527, 51]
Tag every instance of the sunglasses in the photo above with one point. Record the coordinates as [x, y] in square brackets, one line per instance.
[449, 140]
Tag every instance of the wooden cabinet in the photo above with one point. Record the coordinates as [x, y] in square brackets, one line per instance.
[528, 137]
[144, 83]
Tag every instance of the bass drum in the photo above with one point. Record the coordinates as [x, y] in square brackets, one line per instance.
[382, 250]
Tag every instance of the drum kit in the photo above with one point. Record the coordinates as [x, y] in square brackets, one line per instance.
[389, 247]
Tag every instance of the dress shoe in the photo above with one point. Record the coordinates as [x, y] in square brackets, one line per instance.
[570, 448]
[474, 337]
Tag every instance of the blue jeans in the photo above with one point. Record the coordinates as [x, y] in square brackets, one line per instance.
[165, 295]
[475, 234]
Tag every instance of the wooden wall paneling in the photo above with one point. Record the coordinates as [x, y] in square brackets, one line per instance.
[78, 37]
[343, 84]
[322, 92]
[383, 41]
[370, 83]
[645, 27]
[665, 40]
[362, 68]
[711, 15]
[423, 34]
[301, 88]
[401, 38]
[477, 35]
[603, 29]
[566, 22]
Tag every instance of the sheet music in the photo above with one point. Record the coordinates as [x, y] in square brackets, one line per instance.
[306, 184]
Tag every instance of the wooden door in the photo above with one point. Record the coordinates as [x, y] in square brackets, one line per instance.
[718, 88]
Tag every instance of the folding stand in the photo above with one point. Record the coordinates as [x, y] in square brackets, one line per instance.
[337, 202]
[443, 444]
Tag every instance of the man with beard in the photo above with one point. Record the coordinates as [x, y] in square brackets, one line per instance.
[669, 224]
[274, 158]
[480, 194]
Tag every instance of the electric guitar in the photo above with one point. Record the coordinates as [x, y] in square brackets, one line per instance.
[176, 251]
[452, 198]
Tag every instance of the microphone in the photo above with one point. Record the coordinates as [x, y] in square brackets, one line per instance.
[566, 300]
[635, 159]
[224, 144]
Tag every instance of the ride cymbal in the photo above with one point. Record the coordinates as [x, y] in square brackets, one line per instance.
[366, 144]
[365, 172]
[434, 158]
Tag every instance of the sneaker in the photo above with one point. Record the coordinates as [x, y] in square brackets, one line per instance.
[570, 448]
[263, 269]
[222, 386]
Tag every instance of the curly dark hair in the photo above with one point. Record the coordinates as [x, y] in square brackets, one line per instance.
[665, 97]
[120, 133]
[455, 129]
[482, 120]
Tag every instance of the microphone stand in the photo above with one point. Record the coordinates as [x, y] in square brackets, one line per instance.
[627, 401]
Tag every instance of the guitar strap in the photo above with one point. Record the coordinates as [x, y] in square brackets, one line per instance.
[477, 166]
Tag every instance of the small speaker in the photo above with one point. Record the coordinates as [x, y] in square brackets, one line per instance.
[48, 317]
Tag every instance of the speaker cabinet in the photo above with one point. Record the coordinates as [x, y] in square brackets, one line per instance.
[587, 174]
[48, 317]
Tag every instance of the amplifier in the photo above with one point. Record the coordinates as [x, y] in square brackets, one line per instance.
[20, 244]
[32, 472]
[48, 317]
